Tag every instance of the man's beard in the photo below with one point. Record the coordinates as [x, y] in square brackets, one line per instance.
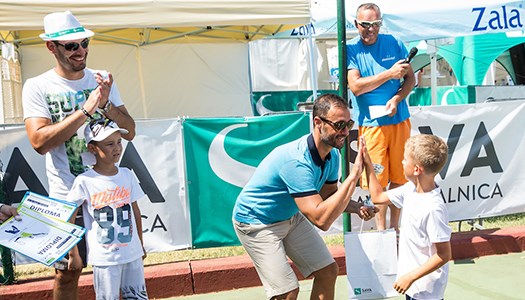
[68, 64]
[333, 141]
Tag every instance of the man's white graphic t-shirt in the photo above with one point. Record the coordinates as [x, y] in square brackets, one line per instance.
[53, 97]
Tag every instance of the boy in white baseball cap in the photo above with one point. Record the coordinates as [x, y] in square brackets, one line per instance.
[108, 195]
[99, 130]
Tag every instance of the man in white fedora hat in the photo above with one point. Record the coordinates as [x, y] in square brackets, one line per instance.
[57, 104]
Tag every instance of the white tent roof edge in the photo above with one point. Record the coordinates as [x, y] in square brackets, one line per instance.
[95, 14]
[246, 19]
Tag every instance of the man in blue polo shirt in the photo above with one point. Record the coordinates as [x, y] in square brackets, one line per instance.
[294, 187]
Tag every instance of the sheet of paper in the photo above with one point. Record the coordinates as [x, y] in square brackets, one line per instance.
[43, 239]
[54, 208]
[46, 221]
[377, 111]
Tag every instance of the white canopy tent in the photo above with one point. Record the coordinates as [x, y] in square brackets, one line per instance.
[323, 24]
[169, 57]
[303, 58]
[152, 21]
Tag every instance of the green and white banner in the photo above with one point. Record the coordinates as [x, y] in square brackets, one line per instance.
[446, 95]
[268, 102]
[221, 155]
[193, 169]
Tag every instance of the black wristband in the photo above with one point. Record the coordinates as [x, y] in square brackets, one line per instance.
[86, 113]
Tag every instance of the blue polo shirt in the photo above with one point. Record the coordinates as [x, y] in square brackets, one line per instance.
[289, 171]
[371, 60]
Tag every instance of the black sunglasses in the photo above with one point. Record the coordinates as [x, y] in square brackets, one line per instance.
[73, 46]
[97, 124]
[367, 25]
[338, 126]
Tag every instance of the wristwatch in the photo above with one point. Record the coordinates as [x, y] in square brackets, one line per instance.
[107, 107]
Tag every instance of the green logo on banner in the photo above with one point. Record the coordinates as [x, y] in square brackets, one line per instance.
[357, 291]
[223, 165]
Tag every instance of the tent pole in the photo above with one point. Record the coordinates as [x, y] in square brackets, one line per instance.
[341, 46]
[140, 71]
[313, 64]
[250, 79]
[432, 51]
[433, 78]
[343, 92]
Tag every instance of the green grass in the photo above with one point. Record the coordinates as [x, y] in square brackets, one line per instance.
[494, 222]
[37, 270]
[505, 221]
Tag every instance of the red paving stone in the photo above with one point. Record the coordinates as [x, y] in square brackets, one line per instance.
[220, 274]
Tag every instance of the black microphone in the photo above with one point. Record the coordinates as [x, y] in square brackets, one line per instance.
[411, 55]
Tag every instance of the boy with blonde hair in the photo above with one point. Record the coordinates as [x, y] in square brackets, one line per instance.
[424, 244]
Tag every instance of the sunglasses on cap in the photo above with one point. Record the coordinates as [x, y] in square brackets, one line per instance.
[73, 46]
[98, 124]
[340, 125]
[367, 25]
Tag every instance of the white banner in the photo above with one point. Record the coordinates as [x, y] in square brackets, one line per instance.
[413, 20]
[481, 179]
[484, 173]
[165, 214]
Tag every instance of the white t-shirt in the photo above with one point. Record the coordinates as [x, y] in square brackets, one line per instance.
[53, 97]
[111, 235]
[424, 221]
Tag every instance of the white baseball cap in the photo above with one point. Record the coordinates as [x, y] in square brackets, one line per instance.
[63, 26]
[99, 130]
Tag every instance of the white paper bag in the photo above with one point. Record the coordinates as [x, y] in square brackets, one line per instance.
[371, 264]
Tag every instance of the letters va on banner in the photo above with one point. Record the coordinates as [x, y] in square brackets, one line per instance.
[482, 177]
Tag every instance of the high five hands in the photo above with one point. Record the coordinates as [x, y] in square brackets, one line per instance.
[365, 212]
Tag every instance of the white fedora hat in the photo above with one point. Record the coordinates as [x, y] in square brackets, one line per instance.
[63, 26]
